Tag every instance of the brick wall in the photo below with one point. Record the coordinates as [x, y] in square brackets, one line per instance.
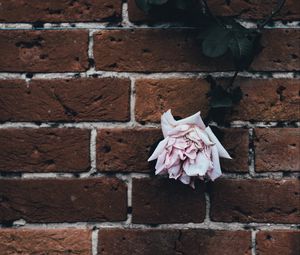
[82, 87]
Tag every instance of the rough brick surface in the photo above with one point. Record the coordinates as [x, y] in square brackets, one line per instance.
[240, 8]
[277, 149]
[153, 97]
[152, 50]
[43, 51]
[125, 149]
[236, 142]
[169, 242]
[146, 50]
[156, 96]
[44, 150]
[65, 100]
[157, 201]
[278, 242]
[59, 10]
[50, 241]
[255, 201]
[280, 104]
[63, 200]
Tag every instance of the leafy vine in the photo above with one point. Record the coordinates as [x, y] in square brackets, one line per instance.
[217, 36]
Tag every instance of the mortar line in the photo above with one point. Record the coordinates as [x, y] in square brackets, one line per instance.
[145, 75]
[95, 234]
[253, 242]
[133, 124]
[126, 24]
[251, 151]
[124, 224]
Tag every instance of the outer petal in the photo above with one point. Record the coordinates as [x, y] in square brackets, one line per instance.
[159, 149]
[200, 167]
[216, 172]
[222, 152]
[168, 122]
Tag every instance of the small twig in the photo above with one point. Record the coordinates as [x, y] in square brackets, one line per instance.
[207, 9]
[233, 79]
[278, 8]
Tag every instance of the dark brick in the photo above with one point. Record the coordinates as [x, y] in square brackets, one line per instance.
[44, 150]
[277, 149]
[151, 50]
[46, 241]
[153, 97]
[171, 241]
[255, 201]
[63, 200]
[43, 51]
[105, 99]
[278, 242]
[60, 10]
[125, 149]
[156, 201]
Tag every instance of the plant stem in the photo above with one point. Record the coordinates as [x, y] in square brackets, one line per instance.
[280, 4]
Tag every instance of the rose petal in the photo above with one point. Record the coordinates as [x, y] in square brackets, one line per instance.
[222, 152]
[159, 149]
[216, 172]
[200, 167]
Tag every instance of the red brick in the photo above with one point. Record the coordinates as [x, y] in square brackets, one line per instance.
[63, 200]
[157, 96]
[241, 9]
[255, 201]
[278, 242]
[151, 50]
[44, 150]
[60, 10]
[277, 149]
[285, 42]
[153, 97]
[46, 241]
[280, 104]
[65, 100]
[156, 201]
[255, 9]
[43, 51]
[125, 149]
[171, 241]
[236, 142]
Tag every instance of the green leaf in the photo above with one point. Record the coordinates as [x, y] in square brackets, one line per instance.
[143, 5]
[215, 44]
[157, 2]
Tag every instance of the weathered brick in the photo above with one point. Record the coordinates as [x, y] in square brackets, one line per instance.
[255, 201]
[125, 149]
[151, 50]
[156, 96]
[255, 9]
[43, 51]
[171, 241]
[239, 8]
[156, 201]
[44, 150]
[278, 242]
[277, 149]
[153, 97]
[285, 42]
[105, 99]
[63, 200]
[46, 241]
[60, 10]
[236, 142]
[280, 104]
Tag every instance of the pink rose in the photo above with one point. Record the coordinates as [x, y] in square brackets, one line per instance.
[190, 150]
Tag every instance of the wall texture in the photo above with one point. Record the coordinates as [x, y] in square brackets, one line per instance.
[82, 87]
